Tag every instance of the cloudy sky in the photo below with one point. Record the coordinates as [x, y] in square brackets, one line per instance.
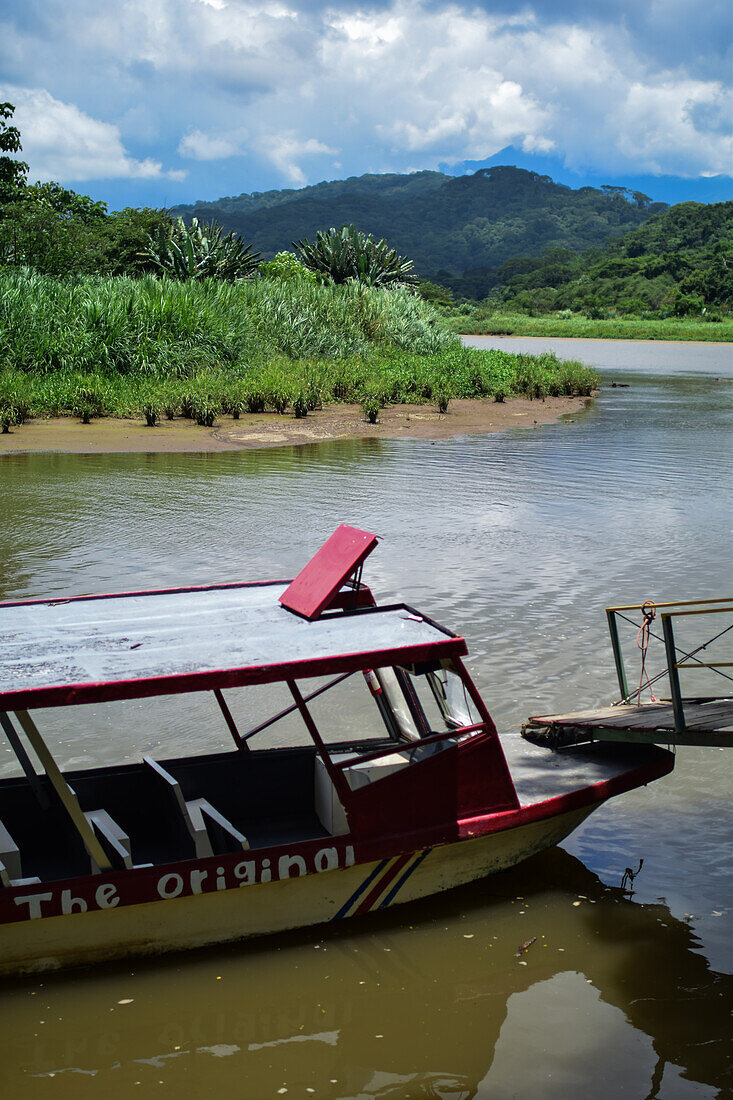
[166, 101]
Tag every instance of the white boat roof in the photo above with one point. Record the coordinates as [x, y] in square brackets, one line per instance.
[97, 648]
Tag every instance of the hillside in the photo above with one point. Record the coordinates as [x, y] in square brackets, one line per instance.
[389, 184]
[680, 260]
[447, 225]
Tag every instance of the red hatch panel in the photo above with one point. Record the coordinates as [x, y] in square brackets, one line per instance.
[319, 581]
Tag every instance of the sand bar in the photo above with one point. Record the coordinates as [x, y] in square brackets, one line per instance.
[109, 435]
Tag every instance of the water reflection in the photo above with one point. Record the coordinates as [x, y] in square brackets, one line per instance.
[433, 1003]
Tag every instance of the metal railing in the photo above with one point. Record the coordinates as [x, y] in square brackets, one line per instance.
[677, 658]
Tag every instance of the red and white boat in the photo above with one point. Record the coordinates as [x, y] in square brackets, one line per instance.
[167, 854]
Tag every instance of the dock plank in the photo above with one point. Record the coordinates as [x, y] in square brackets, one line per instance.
[709, 722]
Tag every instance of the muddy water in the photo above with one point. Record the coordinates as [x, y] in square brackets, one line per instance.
[518, 541]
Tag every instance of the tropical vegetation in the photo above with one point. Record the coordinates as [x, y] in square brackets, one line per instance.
[156, 348]
[483, 320]
[200, 252]
[345, 255]
[678, 263]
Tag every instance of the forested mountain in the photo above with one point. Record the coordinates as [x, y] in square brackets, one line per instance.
[446, 224]
[385, 185]
[680, 260]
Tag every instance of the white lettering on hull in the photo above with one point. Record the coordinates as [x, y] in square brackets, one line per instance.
[246, 872]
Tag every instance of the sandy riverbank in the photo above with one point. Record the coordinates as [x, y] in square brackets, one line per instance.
[270, 430]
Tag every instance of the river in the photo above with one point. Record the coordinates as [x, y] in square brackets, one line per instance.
[518, 541]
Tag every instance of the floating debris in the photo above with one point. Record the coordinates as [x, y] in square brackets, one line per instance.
[524, 947]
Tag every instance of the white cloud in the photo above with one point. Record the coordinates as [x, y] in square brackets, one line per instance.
[202, 146]
[387, 84]
[61, 142]
[283, 150]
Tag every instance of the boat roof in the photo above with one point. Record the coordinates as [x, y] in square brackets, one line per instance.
[98, 648]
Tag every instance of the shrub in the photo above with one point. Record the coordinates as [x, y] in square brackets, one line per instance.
[199, 252]
[8, 416]
[442, 397]
[346, 255]
[286, 266]
[88, 403]
[254, 400]
[205, 412]
[188, 405]
[370, 407]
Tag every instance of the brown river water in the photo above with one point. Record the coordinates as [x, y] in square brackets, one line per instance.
[518, 541]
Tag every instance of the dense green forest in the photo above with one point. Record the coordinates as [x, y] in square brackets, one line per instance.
[447, 225]
[679, 262]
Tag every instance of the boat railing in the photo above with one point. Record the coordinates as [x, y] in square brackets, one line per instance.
[677, 657]
[409, 746]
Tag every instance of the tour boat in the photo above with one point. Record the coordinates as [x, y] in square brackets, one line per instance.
[406, 790]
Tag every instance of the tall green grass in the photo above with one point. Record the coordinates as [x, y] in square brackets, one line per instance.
[124, 347]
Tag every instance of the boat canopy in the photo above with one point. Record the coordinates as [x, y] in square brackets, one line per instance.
[98, 648]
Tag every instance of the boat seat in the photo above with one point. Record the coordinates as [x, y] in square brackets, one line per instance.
[9, 854]
[171, 791]
[11, 873]
[222, 834]
[114, 840]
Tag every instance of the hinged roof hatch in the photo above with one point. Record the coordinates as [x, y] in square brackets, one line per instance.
[318, 582]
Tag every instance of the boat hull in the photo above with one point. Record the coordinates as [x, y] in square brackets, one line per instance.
[177, 923]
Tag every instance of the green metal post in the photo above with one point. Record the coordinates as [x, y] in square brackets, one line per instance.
[674, 679]
[617, 654]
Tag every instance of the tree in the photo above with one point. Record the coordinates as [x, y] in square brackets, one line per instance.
[126, 236]
[12, 172]
[53, 230]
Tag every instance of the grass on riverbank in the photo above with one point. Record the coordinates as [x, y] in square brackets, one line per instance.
[617, 328]
[155, 348]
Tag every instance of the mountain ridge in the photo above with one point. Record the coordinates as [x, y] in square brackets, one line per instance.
[444, 223]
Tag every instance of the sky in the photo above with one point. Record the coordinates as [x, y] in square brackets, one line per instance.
[160, 102]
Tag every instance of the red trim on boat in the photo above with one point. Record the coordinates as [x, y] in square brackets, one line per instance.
[382, 884]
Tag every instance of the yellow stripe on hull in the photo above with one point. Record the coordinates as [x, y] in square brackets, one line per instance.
[256, 910]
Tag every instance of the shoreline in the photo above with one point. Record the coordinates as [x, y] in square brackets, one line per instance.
[477, 416]
[594, 339]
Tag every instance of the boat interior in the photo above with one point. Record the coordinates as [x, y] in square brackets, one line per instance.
[163, 811]
[159, 812]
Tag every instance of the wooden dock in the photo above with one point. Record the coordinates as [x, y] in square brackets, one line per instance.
[706, 722]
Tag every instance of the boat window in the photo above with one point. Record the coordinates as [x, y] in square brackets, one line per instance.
[348, 712]
[437, 701]
[452, 698]
[392, 684]
[120, 732]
